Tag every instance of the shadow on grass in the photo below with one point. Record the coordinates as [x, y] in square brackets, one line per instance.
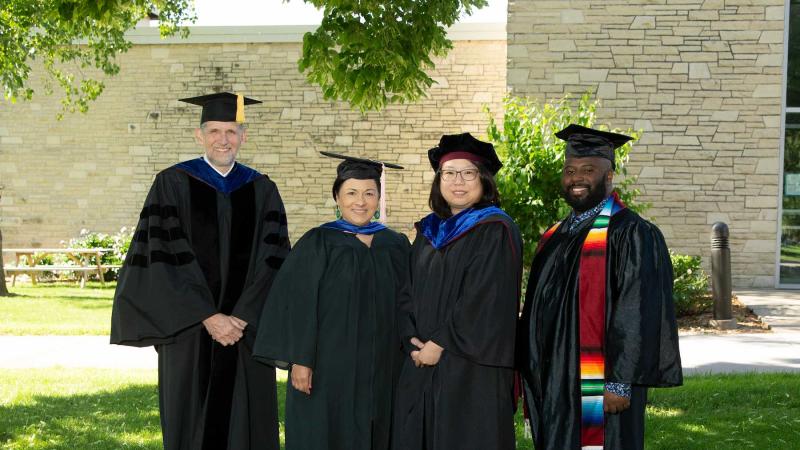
[91, 304]
[48, 287]
[123, 418]
[85, 303]
[60, 294]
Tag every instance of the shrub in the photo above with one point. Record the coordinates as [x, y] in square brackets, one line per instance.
[533, 158]
[690, 291]
[44, 259]
[119, 242]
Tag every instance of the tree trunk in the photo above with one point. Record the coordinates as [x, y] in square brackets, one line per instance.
[3, 288]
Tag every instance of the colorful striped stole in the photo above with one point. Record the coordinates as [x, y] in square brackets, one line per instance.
[591, 317]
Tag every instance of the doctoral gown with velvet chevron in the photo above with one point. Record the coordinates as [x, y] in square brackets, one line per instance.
[641, 340]
[332, 308]
[202, 246]
[465, 297]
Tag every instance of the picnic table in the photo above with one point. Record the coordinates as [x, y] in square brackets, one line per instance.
[25, 262]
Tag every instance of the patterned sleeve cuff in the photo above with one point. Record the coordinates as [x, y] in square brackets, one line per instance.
[621, 389]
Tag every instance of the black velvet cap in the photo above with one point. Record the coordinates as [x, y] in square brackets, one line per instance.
[221, 107]
[465, 144]
[583, 142]
[359, 168]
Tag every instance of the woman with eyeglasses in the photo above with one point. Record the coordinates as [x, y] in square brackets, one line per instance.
[457, 325]
[331, 319]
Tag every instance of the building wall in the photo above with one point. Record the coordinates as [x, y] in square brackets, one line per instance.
[93, 171]
[702, 79]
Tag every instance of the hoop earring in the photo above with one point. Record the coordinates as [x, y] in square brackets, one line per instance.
[337, 213]
[377, 215]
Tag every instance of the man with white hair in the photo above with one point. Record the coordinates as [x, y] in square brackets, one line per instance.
[210, 239]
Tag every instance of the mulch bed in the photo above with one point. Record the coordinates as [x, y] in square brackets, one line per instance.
[747, 321]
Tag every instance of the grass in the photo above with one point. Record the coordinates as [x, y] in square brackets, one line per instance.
[116, 409]
[732, 411]
[73, 409]
[57, 309]
[78, 409]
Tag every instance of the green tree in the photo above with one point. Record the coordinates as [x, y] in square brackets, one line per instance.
[374, 52]
[50, 31]
[367, 52]
[533, 157]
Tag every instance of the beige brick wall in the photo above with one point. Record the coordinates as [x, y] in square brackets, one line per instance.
[93, 171]
[702, 78]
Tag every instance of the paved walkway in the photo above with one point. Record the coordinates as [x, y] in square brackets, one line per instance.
[20, 352]
[700, 353]
[778, 351]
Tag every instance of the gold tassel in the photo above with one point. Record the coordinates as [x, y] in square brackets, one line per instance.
[239, 108]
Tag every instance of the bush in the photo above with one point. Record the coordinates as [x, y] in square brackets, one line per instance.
[44, 259]
[690, 291]
[119, 242]
[533, 158]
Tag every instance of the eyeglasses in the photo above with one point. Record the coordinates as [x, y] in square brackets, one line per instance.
[466, 174]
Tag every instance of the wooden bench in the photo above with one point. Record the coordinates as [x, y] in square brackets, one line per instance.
[25, 263]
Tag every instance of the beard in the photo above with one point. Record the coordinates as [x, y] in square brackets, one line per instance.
[595, 194]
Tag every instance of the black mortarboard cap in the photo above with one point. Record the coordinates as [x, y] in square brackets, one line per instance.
[221, 107]
[583, 142]
[359, 168]
[465, 146]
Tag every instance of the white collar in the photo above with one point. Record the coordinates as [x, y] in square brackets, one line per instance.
[223, 175]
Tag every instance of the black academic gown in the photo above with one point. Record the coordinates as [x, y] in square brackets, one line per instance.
[464, 297]
[197, 251]
[332, 308]
[641, 345]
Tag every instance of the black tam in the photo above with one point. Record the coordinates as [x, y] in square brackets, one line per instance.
[467, 147]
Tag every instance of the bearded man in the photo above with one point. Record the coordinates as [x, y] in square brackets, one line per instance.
[598, 326]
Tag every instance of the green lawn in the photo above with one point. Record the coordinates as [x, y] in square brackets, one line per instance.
[760, 411]
[77, 409]
[57, 309]
[112, 409]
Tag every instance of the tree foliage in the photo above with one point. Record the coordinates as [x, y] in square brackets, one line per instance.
[367, 52]
[374, 52]
[533, 158]
[50, 31]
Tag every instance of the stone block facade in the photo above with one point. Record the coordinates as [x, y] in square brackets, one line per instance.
[92, 171]
[702, 79]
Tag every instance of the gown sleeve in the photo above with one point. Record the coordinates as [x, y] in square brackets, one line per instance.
[287, 332]
[642, 341]
[406, 326]
[161, 289]
[482, 323]
[271, 247]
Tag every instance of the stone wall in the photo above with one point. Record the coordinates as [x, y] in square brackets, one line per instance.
[702, 79]
[93, 171]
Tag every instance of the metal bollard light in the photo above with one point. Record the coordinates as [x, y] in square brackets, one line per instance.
[721, 277]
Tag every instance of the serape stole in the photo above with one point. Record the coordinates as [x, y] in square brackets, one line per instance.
[592, 316]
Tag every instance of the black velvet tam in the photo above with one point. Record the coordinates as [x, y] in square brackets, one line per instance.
[466, 143]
